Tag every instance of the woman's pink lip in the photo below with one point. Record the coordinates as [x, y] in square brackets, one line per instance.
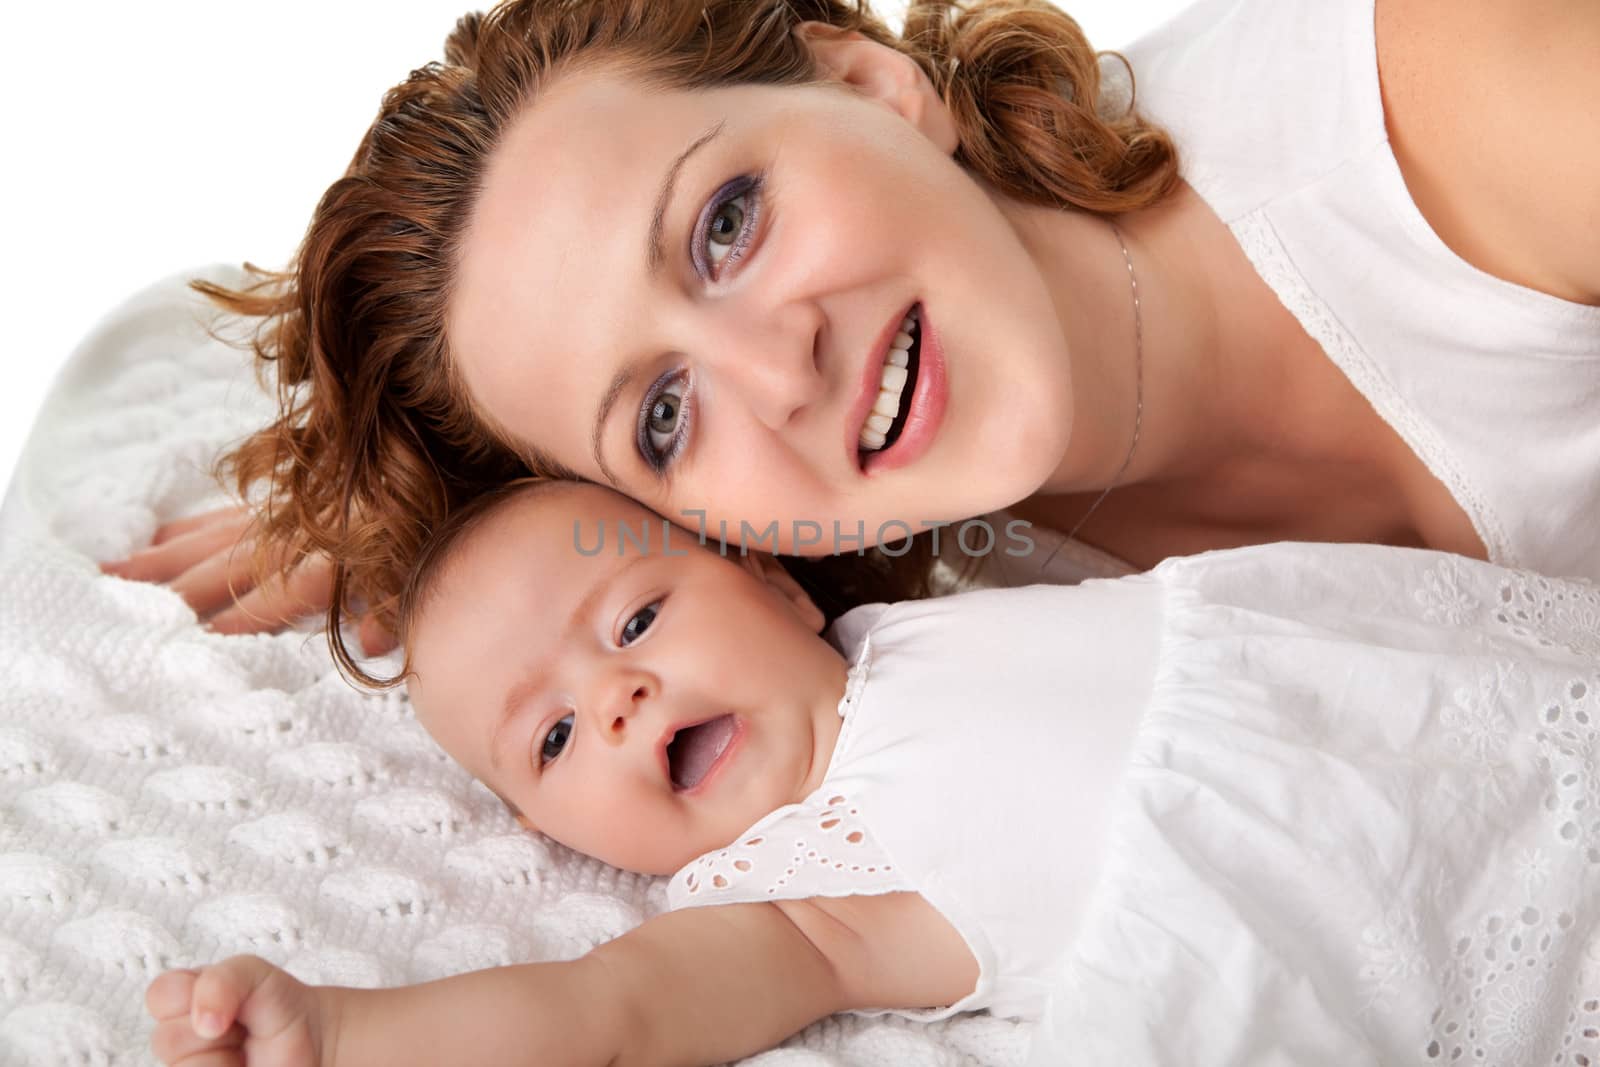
[927, 406]
[871, 377]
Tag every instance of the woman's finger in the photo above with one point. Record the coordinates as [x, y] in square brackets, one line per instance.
[214, 583]
[179, 527]
[374, 637]
[306, 590]
[175, 556]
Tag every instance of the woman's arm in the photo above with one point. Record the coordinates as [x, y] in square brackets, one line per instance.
[702, 985]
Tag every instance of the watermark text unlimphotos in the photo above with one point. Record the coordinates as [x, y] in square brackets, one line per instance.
[972, 537]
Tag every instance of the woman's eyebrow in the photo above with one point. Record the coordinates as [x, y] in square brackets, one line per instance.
[608, 400]
[654, 255]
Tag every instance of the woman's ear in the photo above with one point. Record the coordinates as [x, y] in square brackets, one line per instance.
[770, 571]
[880, 73]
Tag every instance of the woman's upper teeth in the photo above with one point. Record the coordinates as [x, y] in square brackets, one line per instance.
[893, 380]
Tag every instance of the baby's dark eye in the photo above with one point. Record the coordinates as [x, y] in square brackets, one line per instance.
[555, 740]
[635, 627]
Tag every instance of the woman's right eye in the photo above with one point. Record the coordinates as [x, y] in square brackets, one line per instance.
[556, 739]
[664, 421]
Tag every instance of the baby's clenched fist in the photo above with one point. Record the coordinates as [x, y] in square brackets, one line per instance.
[242, 1012]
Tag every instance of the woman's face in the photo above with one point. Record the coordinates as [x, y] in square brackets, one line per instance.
[692, 296]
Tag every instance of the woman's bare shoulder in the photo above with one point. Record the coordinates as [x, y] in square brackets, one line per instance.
[1492, 114]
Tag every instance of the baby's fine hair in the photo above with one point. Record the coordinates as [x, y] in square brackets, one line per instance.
[440, 548]
[376, 443]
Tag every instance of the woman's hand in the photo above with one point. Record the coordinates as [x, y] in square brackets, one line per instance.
[242, 1012]
[209, 560]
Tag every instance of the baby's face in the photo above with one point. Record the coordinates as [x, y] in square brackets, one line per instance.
[642, 708]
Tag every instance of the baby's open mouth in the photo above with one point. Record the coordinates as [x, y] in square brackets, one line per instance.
[896, 386]
[694, 750]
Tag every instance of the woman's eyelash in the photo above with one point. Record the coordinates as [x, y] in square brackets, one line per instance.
[660, 459]
[746, 187]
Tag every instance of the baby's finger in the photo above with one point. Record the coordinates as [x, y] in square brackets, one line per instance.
[250, 991]
[222, 989]
[175, 1042]
[167, 997]
[179, 527]
[222, 1057]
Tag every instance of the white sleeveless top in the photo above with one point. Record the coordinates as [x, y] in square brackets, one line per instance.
[1308, 804]
[1276, 111]
[940, 693]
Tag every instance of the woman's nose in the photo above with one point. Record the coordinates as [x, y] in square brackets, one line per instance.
[774, 368]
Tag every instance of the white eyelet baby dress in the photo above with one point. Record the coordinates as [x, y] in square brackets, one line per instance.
[1293, 804]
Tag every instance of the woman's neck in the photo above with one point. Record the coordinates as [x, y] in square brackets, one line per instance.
[1215, 388]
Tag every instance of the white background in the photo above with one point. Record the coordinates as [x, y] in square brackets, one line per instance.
[146, 138]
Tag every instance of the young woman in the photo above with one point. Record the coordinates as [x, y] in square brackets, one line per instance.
[670, 247]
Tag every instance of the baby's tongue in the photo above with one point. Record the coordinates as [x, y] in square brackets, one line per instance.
[695, 749]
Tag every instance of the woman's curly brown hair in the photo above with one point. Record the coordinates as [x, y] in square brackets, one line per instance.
[375, 443]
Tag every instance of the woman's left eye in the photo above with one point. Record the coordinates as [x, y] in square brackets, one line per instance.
[555, 741]
[638, 623]
[727, 226]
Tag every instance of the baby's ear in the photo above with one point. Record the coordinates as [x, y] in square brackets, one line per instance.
[769, 570]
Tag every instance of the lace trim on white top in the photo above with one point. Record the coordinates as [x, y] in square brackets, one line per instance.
[1266, 253]
[817, 848]
[820, 848]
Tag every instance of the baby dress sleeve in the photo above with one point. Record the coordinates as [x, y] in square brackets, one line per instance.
[818, 848]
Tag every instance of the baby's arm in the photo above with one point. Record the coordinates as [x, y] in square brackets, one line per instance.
[702, 985]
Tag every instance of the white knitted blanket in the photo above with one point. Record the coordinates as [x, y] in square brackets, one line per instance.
[169, 796]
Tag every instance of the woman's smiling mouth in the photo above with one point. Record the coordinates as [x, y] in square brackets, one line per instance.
[896, 383]
[903, 396]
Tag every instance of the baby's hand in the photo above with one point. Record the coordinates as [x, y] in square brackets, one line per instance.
[242, 1012]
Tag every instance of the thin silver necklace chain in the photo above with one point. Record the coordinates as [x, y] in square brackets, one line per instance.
[1138, 391]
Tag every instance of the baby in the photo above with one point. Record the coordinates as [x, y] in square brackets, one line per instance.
[1242, 809]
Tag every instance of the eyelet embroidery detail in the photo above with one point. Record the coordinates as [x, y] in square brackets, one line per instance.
[1555, 613]
[1517, 980]
[818, 849]
[1505, 1004]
